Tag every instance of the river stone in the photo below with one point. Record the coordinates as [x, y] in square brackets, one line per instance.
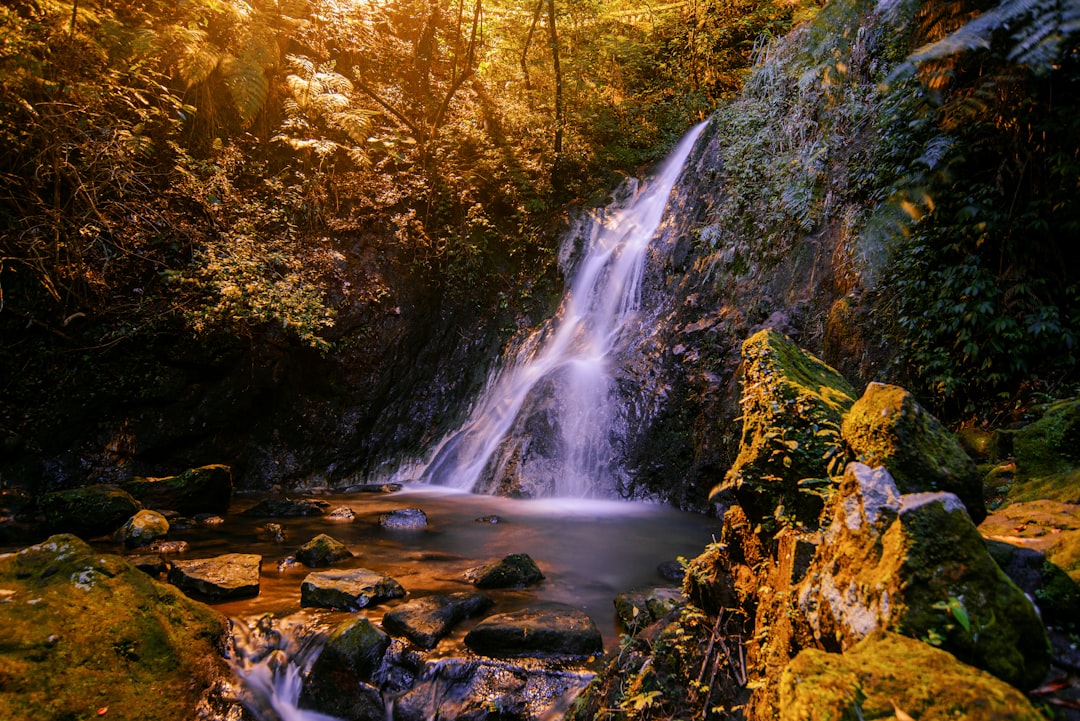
[1056, 595]
[287, 508]
[322, 550]
[552, 630]
[469, 689]
[232, 575]
[341, 513]
[887, 427]
[169, 548]
[404, 518]
[207, 489]
[348, 590]
[426, 620]
[915, 564]
[88, 511]
[1048, 456]
[792, 406]
[337, 683]
[340, 696]
[514, 571]
[886, 674]
[143, 528]
[81, 630]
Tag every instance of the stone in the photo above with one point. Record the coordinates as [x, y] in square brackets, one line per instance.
[342, 514]
[1050, 588]
[404, 519]
[886, 675]
[552, 630]
[149, 563]
[207, 489]
[671, 571]
[287, 508]
[638, 609]
[1049, 526]
[348, 590]
[887, 427]
[143, 528]
[469, 689]
[323, 550]
[168, 548]
[915, 564]
[335, 693]
[426, 620]
[792, 406]
[273, 532]
[1047, 456]
[356, 646]
[82, 630]
[88, 511]
[232, 575]
[517, 570]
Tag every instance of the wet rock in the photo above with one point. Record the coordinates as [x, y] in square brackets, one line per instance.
[82, 630]
[373, 488]
[337, 683]
[207, 489]
[149, 563]
[514, 571]
[404, 519]
[88, 511]
[287, 564]
[209, 519]
[168, 548]
[551, 630]
[1049, 526]
[915, 564]
[671, 571]
[426, 620]
[274, 532]
[1047, 456]
[638, 609]
[341, 513]
[887, 427]
[792, 406]
[492, 519]
[348, 590]
[143, 528]
[287, 508]
[323, 550]
[486, 690]
[356, 644]
[1056, 595]
[886, 674]
[232, 575]
[339, 696]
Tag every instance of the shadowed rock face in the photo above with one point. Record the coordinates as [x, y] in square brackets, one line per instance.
[514, 571]
[426, 620]
[207, 489]
[89, 511]
[554, 630]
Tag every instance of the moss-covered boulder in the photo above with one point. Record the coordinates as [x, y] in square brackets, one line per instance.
[82, 631]
[887, 427]
[514, 571]
[1047, 456]
[886, 675]
[355, 645]
[792, 406]
[1048, 526]
[323, 550]
[1053, 591]
[143, 528]
[915, 564]
[207, 489]
[88, 511]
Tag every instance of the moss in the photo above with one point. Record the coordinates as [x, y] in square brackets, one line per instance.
[83, 631]
[90, 511]
[1047, 455]
[1065, 553]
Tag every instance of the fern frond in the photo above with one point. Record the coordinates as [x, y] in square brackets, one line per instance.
[328, 104]
[198, 57]
[355, 123]
[247, 86]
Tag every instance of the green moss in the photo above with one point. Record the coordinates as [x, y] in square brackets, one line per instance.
[1047, 455]
[1065, 553]
[91, 510]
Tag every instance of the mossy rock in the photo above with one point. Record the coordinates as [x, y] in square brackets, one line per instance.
[887, 427]
[1048, 526]
[792, 406]
[82, 631]
[886, 674]
[1047, 456]
[143, 528]
[207, 489]
[88, 511]
[322, 550]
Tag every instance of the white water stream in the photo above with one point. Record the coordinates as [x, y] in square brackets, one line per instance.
[549, 403]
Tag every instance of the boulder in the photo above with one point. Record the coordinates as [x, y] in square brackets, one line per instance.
[638, 609]
[426, 620]
[348, 590]
[337, 683]
[143, 528]
[792, 405]
[514, 571]
[322, 550]
[1047, 456]
[287, 508]
[273, 532]
[552, 630]
[207, 489]
[88, 511]
[343, 514]
[887, 675]
[81, 630]
[409, 519]
[1049, 526]
[340, 697]
[357, 645]
[232, 575]
[915, 564]
[1051, 589]
[887, 427]
[467, 689]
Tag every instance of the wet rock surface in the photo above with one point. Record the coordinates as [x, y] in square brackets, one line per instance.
[143, 528]
[514, 571]
[232, 575]
[426, 620]
[287, 508]
[207, 489]
[408, 519]
[550, 630]
[88, 511]
[323, 550]
[348, 590]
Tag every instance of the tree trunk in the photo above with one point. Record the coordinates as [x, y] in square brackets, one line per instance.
[556, 171]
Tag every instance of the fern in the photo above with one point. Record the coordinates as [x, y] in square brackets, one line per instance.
[198, 57]
[247, 86]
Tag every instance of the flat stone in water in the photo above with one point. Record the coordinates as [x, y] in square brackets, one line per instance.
[348, 590]
[514, 571]
[341, 513]
[552, 630]
[233, 575]
[426, 620]
[404, 518]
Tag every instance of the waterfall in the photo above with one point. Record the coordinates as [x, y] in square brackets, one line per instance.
[546, 423]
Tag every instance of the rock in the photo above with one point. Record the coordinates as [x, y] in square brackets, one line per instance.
[197, 490]
[337, 683]
[143, 528]
[792, 406]
[372, 488]
[88, 511]
[149, 563]
[339, 696]
[671, 571]
[81, 630]
[322, 550]
[232, 575]
[887, 427]
[1047, 456]
[1056, 595]
[1049, 526]
[638, 609]
[357, 645]
[208, 519]
[886, 674]
[552, 630]
[915, 564]
[287, 508]
[426, 620]
[467, 689]
[492, 519]
[404, 519]
[514, 571]
[274, 532]
[348, 590]
[341, 513]
[168, 548]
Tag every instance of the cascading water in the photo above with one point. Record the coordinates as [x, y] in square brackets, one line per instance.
[545, 424]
